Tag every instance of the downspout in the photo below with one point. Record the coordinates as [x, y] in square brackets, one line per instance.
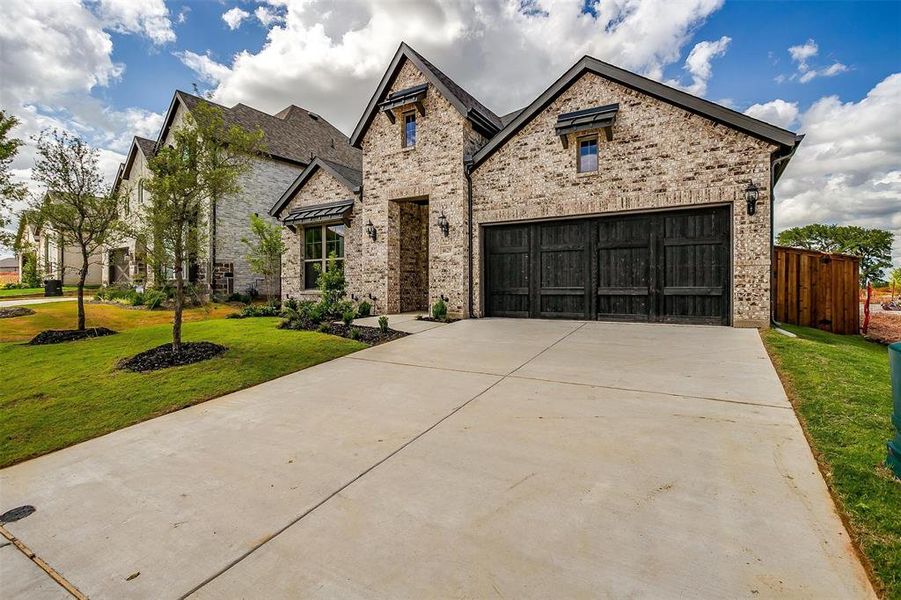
[467, 172]
[773, 164]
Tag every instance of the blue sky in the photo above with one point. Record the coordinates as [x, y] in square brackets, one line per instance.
[107, 69]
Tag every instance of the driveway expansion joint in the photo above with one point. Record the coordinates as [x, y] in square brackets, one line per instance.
[338, 491]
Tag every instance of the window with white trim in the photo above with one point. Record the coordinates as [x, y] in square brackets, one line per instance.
[320, 241]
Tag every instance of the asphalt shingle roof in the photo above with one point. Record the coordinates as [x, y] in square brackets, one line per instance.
[293, 134]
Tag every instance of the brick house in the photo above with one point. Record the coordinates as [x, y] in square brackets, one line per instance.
[292, 138]
[610, 196]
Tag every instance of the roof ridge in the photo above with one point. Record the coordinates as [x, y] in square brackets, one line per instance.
[453, 84]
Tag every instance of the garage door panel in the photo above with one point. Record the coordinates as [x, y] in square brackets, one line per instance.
[562, 251]
[508, 269]
[670, 267]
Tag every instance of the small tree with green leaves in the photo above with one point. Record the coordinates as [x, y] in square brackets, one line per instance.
[332, 284]
[78, 207]
[264, 251]
[10, 191]
[872, 246]
[201, 164]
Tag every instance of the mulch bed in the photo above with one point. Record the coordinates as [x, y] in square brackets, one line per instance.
[368, 335]
[163, 357]
[15, 311]
[58, 336]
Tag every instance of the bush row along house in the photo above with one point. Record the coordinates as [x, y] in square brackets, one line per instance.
[610, 196]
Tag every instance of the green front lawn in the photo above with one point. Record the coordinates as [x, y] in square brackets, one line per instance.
[841, 390]
[58, 395]
[39, 291]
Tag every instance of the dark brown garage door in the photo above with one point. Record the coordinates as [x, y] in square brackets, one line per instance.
[659, 267]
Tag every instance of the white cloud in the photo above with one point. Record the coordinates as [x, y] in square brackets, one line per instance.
[698, 65]
[848, 168]
[801, 54]
[206, 68]
[328, 55]
[266, 16]
[62, 41]
[67, 43]
[183, 14]
[778, 112]
[145, 17]
[234, 16]
[830, 71]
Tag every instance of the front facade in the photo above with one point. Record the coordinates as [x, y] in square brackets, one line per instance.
[609, 197]
[291, 138]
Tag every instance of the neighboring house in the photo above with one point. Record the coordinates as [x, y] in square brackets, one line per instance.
[9, 266]
[292, 138]
[54, 260]
[9, 270]
[610, 196]
[126, 262]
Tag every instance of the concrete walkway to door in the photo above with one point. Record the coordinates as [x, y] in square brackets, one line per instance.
[486, 458]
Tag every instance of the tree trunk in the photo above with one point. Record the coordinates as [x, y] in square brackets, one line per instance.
[82, 275]
[179, 302]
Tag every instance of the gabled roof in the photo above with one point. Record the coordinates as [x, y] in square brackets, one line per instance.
[754, 127]
[138, 144]
[349, 177]
[294, 134]
[481, 117]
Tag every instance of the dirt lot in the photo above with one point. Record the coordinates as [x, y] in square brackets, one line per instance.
[885, 326]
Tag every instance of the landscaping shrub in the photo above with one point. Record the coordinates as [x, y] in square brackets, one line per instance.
[348, 316]
[239, 297]
[383, 324]
[257, 310]
[323, 327]
[364, 309]
[135, 298]
[12, 285]
[30, 276]
[332, 285]
[439, 310]
[291, 303]
[154, 298]
[354, 333]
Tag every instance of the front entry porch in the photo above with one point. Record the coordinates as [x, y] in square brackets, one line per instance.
[413, 255]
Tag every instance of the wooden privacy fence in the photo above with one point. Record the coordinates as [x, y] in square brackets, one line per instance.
[815, 289]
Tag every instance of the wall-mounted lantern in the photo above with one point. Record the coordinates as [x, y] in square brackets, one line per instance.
[752, 194]
[370, 231]
[443, 225]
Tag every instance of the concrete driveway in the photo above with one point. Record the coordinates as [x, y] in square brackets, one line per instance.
[486, 458]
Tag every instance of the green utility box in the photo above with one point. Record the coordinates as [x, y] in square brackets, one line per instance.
[893, 461]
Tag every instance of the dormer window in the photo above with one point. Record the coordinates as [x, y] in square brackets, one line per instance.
[588, 154]
[409, 139]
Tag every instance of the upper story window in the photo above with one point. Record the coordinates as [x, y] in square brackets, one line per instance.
[409, 129]
[588, 154]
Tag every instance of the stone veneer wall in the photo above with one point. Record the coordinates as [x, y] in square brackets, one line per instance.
[319, 188]
[661, 156]
[266, 181]
[414, 256]
[432, 170]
